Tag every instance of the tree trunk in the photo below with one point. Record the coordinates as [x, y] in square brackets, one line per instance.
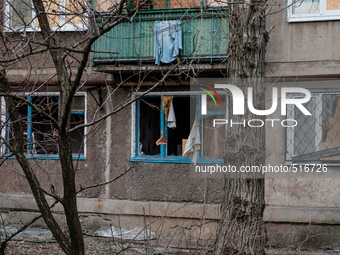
[70, 193]
[241, 229]
[18, 150]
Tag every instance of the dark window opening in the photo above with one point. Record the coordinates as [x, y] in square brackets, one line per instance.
[40, 134]
[77, 136]
[182, 106]
[150, 130]
[44, 133]
[22, 111]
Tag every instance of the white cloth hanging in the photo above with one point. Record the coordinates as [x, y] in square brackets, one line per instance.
[193, 144]
[171, 117]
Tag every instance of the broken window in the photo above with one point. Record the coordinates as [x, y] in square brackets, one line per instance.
[213, 137]
[315, 137]
[41, 135]
[164, 125]
[149, 125]
[78, 118]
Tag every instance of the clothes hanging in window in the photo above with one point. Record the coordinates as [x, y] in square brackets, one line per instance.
[169, 113]
[168, 41]
[193, 144]
[172, 117]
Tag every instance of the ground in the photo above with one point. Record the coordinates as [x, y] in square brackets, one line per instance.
[39, 241]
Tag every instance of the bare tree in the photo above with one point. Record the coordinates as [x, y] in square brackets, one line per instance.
[241, 229]
[70, 63]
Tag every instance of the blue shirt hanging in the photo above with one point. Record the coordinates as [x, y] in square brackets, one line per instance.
[168, 40]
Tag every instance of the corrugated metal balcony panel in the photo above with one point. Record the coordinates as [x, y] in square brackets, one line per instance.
[203, 37]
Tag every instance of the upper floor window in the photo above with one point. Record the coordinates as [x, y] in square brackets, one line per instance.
[171, 128]
[174, 4]
[313, 10]
[63, 15]
[41, 136]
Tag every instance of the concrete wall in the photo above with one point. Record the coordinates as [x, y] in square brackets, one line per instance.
[301, 211]
[311, 204]
[301, 48]
[89, 171]
[294, 49]
[150, 181]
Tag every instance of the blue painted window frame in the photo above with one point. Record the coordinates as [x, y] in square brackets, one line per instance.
[29, 155]
[162, 157]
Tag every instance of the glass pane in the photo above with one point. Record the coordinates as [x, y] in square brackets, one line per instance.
[184, 3]
[330, 122]
[214, 104]
[159, 4]
[304, 132]
[333, 5]
[78, 103]
[77, 136]
[306, 6]
[52, 7]
[75, 8]
[21, 12]
[213, 137]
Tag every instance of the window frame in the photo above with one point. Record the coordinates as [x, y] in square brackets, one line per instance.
[4, 131]
[323, 15]
[289, 134]
[63, 26]
[162, 157]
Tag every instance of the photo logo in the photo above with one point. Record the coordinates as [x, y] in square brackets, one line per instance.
[204, 97]
[238, 99]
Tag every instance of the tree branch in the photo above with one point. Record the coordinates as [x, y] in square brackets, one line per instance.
[104, 183]
[4, 243]
[55, 196]
[123, 105]
[23, 56]
[35, 108]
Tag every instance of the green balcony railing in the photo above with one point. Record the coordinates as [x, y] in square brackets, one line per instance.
[204, 36]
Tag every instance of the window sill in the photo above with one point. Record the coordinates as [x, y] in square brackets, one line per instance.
[74, 157]
[174, 159]
[64, 28]
[156, 159]
[302, 18]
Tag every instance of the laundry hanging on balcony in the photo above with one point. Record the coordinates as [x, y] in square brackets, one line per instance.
[168, 40]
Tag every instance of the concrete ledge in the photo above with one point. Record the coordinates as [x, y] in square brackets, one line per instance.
[174, 224]
[25, 202]
[88, 206]
[303, 68]
[152, 67]
[311, 215]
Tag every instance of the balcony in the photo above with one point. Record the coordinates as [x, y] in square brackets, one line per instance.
[204, 37]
